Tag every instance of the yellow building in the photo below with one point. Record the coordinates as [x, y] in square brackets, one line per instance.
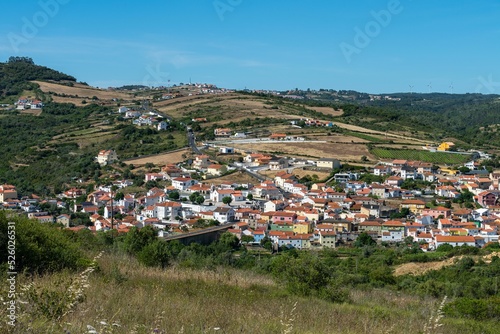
[302, 228]
[446, 146]
[414, 205]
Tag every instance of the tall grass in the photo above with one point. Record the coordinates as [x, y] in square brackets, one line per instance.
[121, 296]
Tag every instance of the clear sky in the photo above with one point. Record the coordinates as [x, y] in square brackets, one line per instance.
[371, 46]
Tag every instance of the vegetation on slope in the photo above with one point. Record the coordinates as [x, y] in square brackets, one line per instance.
[16, 73]
[275, 293]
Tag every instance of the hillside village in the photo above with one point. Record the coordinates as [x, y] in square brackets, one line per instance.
[460, 209]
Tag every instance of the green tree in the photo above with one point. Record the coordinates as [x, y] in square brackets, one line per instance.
[247, 239]
[267, 243]
[250, 197]
[136, 239]
[229, 241]
[227, 200]
[119, 196]
[364, 239]
[200, 199]
[174, 195]
[155, 254]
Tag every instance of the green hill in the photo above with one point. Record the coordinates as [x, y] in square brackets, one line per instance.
[16, 73]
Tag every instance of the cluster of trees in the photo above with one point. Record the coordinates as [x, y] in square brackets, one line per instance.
[39, 248]
[32, 162]
[18, 71]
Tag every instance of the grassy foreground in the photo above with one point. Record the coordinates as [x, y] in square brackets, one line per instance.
[119, 295]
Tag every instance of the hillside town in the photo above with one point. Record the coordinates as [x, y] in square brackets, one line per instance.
[456, 209]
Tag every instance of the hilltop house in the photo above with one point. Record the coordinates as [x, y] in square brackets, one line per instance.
[106, 157]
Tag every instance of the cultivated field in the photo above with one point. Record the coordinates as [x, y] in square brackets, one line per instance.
[344, 152]
[34, 112]
[161, 159]
[387, 135]
[422, 155]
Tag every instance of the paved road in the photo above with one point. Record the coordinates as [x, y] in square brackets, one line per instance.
[192, 142]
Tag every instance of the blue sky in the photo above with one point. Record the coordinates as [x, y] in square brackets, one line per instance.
[370, 46]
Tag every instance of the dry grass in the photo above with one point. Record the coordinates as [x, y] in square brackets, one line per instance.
[414, 268]
[122, 296]
[389, 135]
[343, 152]
[161, 159]
[238, 177]
[82, 91]
[300, 172]
[34, 112]
[328, 111]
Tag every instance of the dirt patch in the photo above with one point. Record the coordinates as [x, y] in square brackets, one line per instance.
[299, 172]
[34, 112]
[414, 268]
[343, 152]
[162, 159]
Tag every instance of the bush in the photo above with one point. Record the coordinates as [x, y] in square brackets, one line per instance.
[156, 254]
[39, 248]
[477, 309]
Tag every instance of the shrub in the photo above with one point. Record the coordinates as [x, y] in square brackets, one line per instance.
[39, 248]
[477, 309]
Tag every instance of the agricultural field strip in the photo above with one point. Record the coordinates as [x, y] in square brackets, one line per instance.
[435, 157]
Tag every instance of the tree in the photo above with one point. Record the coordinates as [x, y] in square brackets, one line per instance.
[267, 243]
[250, 197]
[200, 199]
[227, 200]
[119, 196]
[174, 195]
[136, 239]
[247, 239]
[464, 170]
[364, 239]
[155, 254]
[149, 165]
[229, 241]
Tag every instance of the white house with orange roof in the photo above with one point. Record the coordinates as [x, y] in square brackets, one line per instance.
[218, 194]
[183, 183]
[201, 161]
[7, 191]
[454, 241]
[168, 210]
[106, 157]
[216, 169]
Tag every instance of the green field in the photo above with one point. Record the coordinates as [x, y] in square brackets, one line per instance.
[426, 156]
